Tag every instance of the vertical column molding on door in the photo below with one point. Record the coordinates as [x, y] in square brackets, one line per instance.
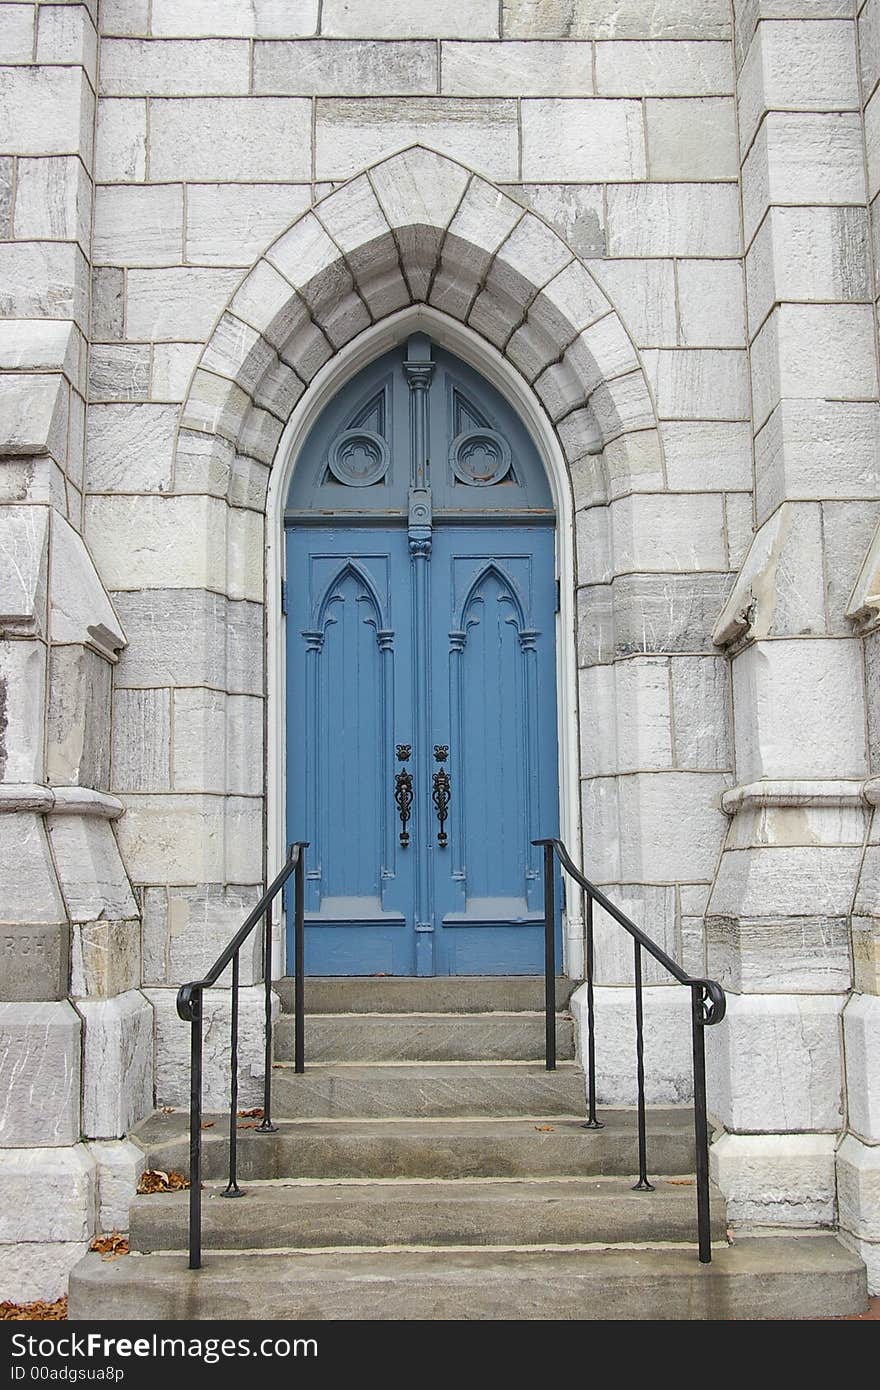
[418, 370]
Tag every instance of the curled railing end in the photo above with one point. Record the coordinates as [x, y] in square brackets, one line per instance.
[713, 1002]
[188, 997]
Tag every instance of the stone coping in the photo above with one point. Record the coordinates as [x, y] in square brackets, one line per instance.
[58, 801]
[830, 792]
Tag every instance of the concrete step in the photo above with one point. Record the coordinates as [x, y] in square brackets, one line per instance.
[475, 1148]
[423, 1037]
[555, 1211]
[401, 994]
[390, 1090]
[806, 1277]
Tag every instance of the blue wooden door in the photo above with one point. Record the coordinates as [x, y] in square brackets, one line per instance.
[421, 728]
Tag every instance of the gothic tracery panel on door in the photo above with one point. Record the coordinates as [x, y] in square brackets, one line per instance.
[421, 674]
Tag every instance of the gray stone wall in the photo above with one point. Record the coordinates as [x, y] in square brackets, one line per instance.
[658, 214]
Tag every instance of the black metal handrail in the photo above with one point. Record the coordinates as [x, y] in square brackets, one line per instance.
[189, 1007]
[708, 1006]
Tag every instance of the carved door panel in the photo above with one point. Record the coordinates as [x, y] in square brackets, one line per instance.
[349, 629]
[494, 716]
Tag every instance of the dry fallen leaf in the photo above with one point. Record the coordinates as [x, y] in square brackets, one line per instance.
[208, 1124]
[544, 1129]
[255, 1114]
[167, 1109]
[252, 1124]
[155, 1180]
[35, 1312]
[681, 1182]
[110, 1247]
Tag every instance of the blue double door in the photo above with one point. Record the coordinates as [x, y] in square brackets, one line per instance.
[422, 755]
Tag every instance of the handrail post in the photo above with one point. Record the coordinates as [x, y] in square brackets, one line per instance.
[299, 883]
[195, 1133]
[266, 1126]
[592, 1122]
[701, 1126]
[549, 958]
[642, 1185]
[232, 1188]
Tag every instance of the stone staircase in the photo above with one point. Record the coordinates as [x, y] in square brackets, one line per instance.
[428, 1167]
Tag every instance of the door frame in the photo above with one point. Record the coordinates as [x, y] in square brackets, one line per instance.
[346, 363]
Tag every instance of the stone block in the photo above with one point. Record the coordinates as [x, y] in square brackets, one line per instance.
[177, 637]
[798, 66]
[869, 46]
[311, 262]
[795, 954]
[642, 711]
[117, 1064]
[775, 1064]
[611, 19]
[177, 303]
[130, 447]
[671, 825]
[314, 67]
[591, 140]
[352, 133]
[245, 649]
[668, 533]
[784, 692]
[643, 293]
[137, 67]
[845, 435]
[34, 416]
[651, 907]
[673, 219]
[775, 1179]
[119, 1164]
[80, 613]
[785, 881]
[667, 1036]
[477, 19]
[802, 158]
[39, 1074]
[172, 838]
[243, 859]
[138, 225]
[172, 1048]
[531, 256]
[45, 110]
[229, 138]
[44, 279]
[90, 872]
[861, 1038]
[858, 1188]
[711, 304]
[17, 33]
[35, 961]
[78, 748]
[23, 703]
[260, 18]
[105, 958]
[119, 372]
[692, 138]
[121, 140]
[34, 1270]
[534, 69]
[701, 383]
[125, 17]
[667, 613]
[47, 1195]
[866, 942]
[231, 224]
[639, 68]
[809, 254]
[199, 922]
[199, 750]
[701, 710]
[576, 210]
[173, 367]
[738, 520]
[66, 33]
[108, 303]
[53, 200]
[784, 366]
[600, 808]
[30, 895]
[848, 529]
[158, 542]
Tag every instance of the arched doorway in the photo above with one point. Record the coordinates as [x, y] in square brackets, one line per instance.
[421, 673]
